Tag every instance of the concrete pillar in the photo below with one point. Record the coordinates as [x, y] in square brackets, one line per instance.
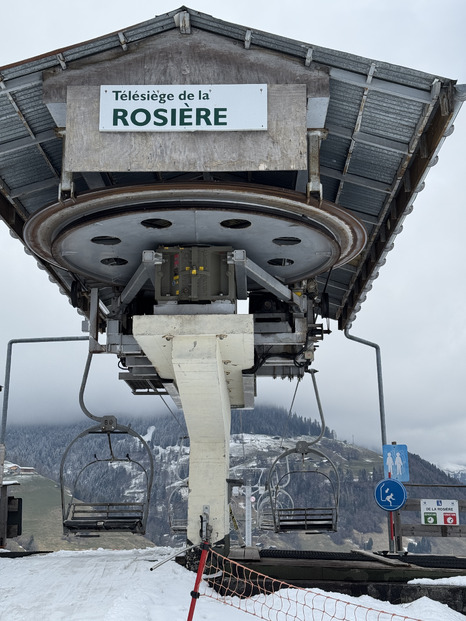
[205, 356]
[201, 382]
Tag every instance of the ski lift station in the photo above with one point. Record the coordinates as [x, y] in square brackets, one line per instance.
[165, 174]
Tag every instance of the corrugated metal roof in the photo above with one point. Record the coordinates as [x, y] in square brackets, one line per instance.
[385, 125]
[340, 112]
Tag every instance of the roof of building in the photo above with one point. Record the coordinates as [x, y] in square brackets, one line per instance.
[385, 125]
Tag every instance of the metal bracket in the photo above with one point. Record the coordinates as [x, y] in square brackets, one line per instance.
[123, 41]
[244, 268]
[108, 423]
[61, 60]
[94, 345]
[314, 186]
[183, 22]
[206, 529]
[66, 185]
[141, 275]
[308, 59]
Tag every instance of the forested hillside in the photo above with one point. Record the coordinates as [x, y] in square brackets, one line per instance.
[257, 438]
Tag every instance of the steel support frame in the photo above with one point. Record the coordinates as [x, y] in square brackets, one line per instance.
[6, 387]
[3, 514]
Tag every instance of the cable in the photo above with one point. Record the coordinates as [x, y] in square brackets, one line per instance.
[294, 396]
[319, 407]
[172, 413]
[292, 403]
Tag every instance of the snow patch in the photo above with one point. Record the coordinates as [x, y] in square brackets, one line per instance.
[115, 585]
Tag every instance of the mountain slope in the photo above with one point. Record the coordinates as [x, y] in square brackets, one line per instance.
[253, 450]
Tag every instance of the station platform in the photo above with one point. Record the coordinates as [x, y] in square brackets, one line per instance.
[380, 575]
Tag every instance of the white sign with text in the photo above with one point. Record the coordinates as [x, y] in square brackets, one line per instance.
[443, 512]
[177, 108]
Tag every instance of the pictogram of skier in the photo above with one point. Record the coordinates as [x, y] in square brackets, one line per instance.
[390, 497]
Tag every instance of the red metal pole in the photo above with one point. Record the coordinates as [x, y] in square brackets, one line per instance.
[392, 534]
[205, 547]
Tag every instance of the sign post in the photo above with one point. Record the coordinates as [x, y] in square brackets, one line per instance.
[390, 495]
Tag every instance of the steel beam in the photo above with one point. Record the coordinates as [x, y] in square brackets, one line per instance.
[382, 86]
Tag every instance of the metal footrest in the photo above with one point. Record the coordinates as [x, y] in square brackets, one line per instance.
[179, 526]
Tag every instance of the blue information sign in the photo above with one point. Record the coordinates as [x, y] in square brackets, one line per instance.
[395, 462]
[390, 494]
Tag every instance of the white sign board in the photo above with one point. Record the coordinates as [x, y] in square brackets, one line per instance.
[443, 512]
[181, 108]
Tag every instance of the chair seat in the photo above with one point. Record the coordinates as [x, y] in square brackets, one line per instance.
[121, 517]
[307, 519]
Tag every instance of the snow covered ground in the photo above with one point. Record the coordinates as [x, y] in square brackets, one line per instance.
[117, 585]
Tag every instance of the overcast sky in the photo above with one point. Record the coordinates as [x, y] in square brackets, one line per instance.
[415, 311]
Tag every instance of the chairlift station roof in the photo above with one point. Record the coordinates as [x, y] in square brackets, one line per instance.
[382, 127]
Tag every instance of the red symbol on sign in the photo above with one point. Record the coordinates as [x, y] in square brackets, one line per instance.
[449, 518]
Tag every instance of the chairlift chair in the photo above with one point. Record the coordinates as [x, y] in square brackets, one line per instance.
[308, 519]
[178, 508]
[111, 514]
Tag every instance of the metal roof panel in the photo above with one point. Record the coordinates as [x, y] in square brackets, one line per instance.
[344, 104]
[390, 116]
[374, 163]
[361, 200]
[23, 167]
[334, 151]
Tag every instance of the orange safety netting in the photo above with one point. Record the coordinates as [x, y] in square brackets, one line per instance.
[274, 600]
